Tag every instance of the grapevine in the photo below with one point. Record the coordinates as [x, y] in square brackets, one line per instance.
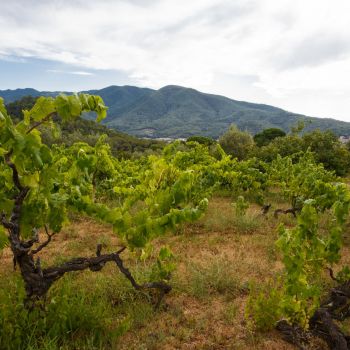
[51, 182]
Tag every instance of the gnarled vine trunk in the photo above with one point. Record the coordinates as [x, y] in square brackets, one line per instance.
[322, 324]
[37, 281]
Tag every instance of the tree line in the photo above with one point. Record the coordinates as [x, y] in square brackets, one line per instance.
[271, 142]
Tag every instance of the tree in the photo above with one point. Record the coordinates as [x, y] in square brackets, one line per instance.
[237, 143]
[325, 145]
[14, 109]
[267, 135]
[283, 146]
[328, 150]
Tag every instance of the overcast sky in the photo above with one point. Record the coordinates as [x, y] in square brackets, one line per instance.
[289, 53]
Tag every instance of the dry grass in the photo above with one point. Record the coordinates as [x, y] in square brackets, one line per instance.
[216, 261]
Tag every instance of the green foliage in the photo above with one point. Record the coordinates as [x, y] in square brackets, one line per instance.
[3, 238]
[267, 135]
[147, 197]
[39, 168]
[171, 196]
[153, 194]
[300, 180]
[237, 143]
[74, 318]
[15, 109]
[306, 253]
[207, 141]
[328, 150]
[280, 146]
[263, 306]
[303, 257]
[306, 249]
[165, 265]
[298, 127]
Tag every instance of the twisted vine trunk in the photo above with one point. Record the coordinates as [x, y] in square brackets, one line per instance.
[38, 281]
[322, 324]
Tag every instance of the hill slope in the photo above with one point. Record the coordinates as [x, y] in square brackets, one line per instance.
[122, 145]
[175, 111]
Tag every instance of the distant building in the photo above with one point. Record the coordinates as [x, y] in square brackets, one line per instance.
[344, 139]
[164, 139]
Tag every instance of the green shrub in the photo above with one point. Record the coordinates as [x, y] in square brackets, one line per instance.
[237, 143]
[263, 307]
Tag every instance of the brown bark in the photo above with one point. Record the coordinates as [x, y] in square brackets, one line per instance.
[322, 324]
[292, 211]
[38, 281]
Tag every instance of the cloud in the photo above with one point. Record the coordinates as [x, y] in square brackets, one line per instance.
[80, 73]
[69, 72]
[315, 50]
[7, 58]
[260, 50]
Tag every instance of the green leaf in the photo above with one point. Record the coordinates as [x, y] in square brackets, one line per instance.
[2, 109]
[165, 253]
[31, 180]
[43, 107]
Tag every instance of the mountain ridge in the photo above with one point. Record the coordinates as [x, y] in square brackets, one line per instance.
[176, 112]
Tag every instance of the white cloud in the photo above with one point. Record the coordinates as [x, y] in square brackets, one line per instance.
[69, 72]
[290, 53]
[80, 73]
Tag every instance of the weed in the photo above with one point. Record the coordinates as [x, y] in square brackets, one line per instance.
[74, 317]
[230, 313]
[263, 311]
[216, 277]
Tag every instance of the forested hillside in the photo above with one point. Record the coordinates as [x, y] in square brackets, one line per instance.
[178, 112]
[82, 130]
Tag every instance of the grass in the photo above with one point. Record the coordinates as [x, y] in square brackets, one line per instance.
[222, 217]
[84, 311]
[213, 277]
[230, 313]
[217, 259]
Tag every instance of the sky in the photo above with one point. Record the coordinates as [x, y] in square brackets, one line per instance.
[291, 54]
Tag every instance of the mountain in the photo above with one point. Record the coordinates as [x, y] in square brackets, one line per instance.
[13, 95]
[120, 98]
[175, 111]
[79, 129]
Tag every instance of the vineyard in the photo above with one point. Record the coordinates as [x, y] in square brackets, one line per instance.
[190, 249]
